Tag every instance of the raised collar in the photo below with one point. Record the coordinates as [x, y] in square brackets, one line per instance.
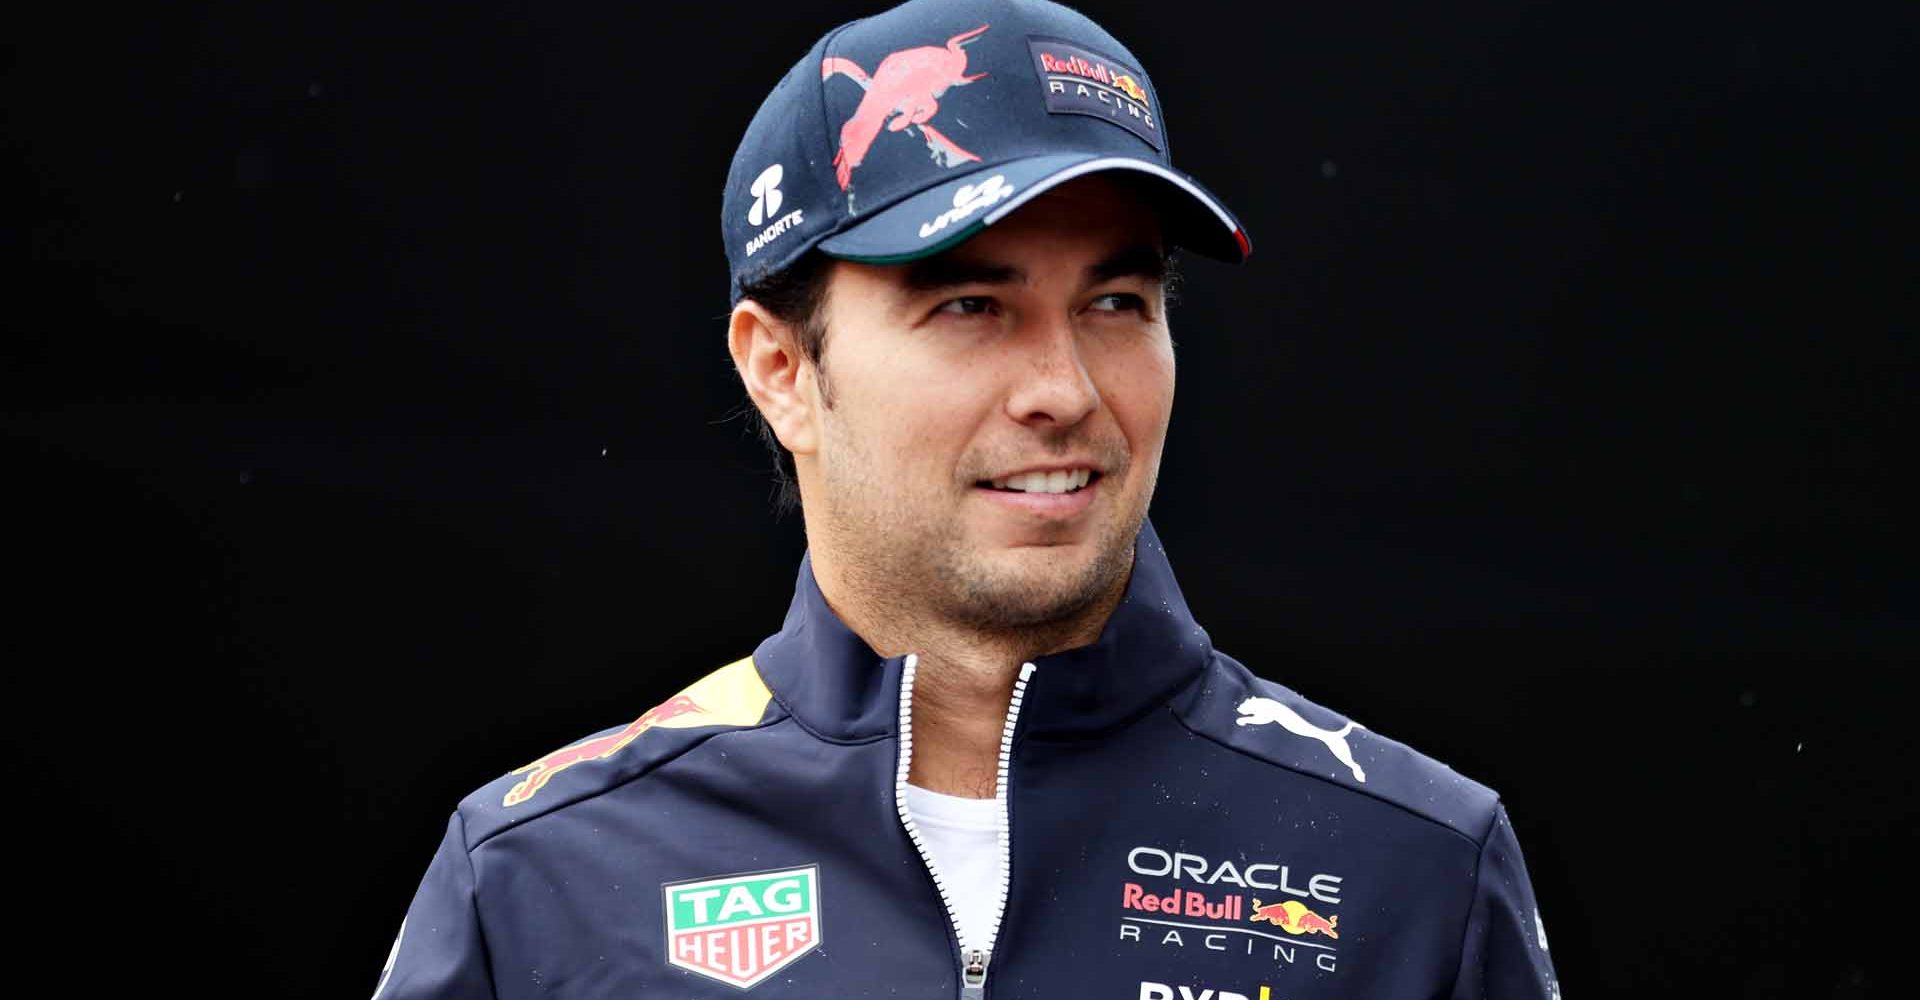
[838, 687]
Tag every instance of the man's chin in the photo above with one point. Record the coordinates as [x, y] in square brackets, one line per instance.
[1033, 586]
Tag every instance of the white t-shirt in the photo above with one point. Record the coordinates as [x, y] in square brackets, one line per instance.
[963, 837]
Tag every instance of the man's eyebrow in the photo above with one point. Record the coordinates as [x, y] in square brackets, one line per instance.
[1142, 260]
[1139, 261]
[949, 271]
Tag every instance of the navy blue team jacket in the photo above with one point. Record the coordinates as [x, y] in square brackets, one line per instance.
[1174, 828]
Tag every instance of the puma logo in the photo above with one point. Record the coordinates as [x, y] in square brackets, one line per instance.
[1260, 711]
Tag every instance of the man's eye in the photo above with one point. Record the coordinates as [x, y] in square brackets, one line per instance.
[967, 305]
[1118, 302]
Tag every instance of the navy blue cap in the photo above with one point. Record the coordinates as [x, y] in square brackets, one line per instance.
[900, 135]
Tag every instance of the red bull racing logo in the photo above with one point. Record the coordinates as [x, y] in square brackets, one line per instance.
[1215, 918]
[1080, 81]
[902, 94]
[734, 695]
[1095, 70]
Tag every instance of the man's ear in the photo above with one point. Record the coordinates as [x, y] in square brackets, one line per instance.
[778, 377]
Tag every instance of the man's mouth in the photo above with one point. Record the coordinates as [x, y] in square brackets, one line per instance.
[1056, 481]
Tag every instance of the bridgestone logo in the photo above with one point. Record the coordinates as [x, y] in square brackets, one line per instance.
[740, 929]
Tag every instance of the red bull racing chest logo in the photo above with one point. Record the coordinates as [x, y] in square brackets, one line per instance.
[1220, 907]
[740, 929]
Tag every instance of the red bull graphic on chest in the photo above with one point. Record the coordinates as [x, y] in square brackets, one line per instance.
[740, 929]
[1294, 918]
[1080, 81]
[903, 94]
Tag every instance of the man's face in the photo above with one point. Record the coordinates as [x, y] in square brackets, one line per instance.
[997, 414]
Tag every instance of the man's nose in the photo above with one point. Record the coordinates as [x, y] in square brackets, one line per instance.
[1052, 384]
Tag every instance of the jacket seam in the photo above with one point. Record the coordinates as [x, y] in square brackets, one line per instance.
[479, 920]
[1478, 846]
[850, 741]
[1466, 926]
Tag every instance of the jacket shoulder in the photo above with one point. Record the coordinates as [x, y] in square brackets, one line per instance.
[1273, 723]
[732, 697]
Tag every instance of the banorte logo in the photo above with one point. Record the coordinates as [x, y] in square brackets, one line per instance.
[766, 195]
[766, 201]
[902, 93]
[733, 695]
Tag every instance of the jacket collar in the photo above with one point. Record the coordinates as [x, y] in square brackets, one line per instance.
[838, 687]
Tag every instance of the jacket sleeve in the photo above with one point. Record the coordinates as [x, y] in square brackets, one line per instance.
[440, 952]
[1504, 953]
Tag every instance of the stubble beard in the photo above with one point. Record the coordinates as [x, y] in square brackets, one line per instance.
[978, 594]
[913, 569]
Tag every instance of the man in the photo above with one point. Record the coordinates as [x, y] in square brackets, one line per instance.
[990, 752]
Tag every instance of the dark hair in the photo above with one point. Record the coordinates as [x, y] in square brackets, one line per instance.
[797, 296]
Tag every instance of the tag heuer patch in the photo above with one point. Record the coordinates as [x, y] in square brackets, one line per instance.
[740, 929]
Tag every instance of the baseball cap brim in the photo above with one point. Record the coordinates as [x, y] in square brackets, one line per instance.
[947, 214]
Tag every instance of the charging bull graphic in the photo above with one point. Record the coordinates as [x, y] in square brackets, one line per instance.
[903, 92]
[733, 695]
[1295, 918]
[542, 771]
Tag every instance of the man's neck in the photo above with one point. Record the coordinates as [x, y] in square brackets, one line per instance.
[960, 706]
[963, 683]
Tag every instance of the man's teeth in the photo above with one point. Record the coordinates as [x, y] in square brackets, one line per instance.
[1057, 481]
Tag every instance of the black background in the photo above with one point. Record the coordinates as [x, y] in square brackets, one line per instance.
[369, 432]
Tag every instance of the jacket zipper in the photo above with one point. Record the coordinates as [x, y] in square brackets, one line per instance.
[973, 961]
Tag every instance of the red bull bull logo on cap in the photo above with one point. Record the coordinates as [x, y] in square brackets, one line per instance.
[734, 695]
[902, 94]
[1131, 86]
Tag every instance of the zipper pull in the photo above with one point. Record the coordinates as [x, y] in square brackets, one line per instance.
[973, 980]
